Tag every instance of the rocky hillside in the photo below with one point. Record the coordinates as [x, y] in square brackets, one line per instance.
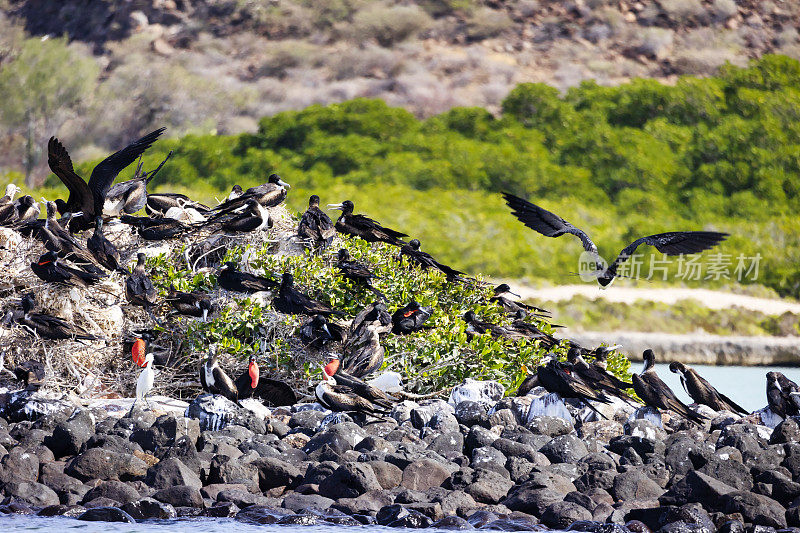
[219, 65]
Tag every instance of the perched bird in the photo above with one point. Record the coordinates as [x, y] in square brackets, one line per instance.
[425, 260]
[27, 209]
[130, 196]
[196, 304]
[49, 268]
[8, 211]
[254, 217]
[236, 192]
[103, 250]
[596, 378]
[359, 386]
[480, 327]
[551, 225]
[159, 203]
[156, 229]
[364, 227]
[293, 302]
[342, 398]
[145, 382]
[702, 391]
[513, 307]
[362, 349]
[410, 318]
[316, 228]
[270, 194]
[88, 199]
[655, 393]
[531, 331]
[357, 272]
[317, 332]
[271, 391]
[557, 378]
[231, 279]
[215, 380]
[780, 391]
[45, 326]
[30, 373]
[138, 288]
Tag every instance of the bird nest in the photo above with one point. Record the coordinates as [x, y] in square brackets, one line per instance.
[102, 367]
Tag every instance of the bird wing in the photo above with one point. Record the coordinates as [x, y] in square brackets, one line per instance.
[366, 222]
[275, 392]
[80, 196]
[543, 221]
[106, 171]
[674, 243]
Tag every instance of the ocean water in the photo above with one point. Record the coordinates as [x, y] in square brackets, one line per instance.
[745, 385]
[15, 523]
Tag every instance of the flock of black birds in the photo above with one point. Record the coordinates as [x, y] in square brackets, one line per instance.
[96, 202]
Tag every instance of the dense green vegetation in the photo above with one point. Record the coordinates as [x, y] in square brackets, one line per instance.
[431, 360]
[720, 153]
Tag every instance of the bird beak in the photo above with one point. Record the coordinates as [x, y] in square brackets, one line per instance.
[325, 327]
[205, 315]
[515, 294]
[335, 206]
[284, 184]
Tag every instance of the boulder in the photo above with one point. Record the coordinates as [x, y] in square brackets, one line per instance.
[171, 472]
[107, 514]
[425, 474]
[114, 490]
[148, 508]
[564, 449]
[755, 508]
[349, 481]
[180, 496]
[560, 515]
[96, 463]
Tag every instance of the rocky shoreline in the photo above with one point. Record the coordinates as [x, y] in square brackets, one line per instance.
[488, 462]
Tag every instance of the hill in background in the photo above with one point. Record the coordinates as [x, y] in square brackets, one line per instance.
[220, 65]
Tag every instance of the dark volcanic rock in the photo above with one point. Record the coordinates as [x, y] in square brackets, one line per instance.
[115, 490]
[171, 472]
[32, 493]
[18, 465]
[274, 472]
[107, 514]
[297, 502]
[224, 469]
[387, 474]
[755, 508]
[425, 474]
[180, 496]
[70, 436]
[564, 449]
[147, 508]
[96, 463]
[532, 499]
[452, 522]
[697, 487]
[470, 413]
[634, 485]
[165, 431]
[349, 481]
[560, 515]
[399, 516]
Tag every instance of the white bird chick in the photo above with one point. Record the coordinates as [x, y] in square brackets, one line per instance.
[145, 382]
